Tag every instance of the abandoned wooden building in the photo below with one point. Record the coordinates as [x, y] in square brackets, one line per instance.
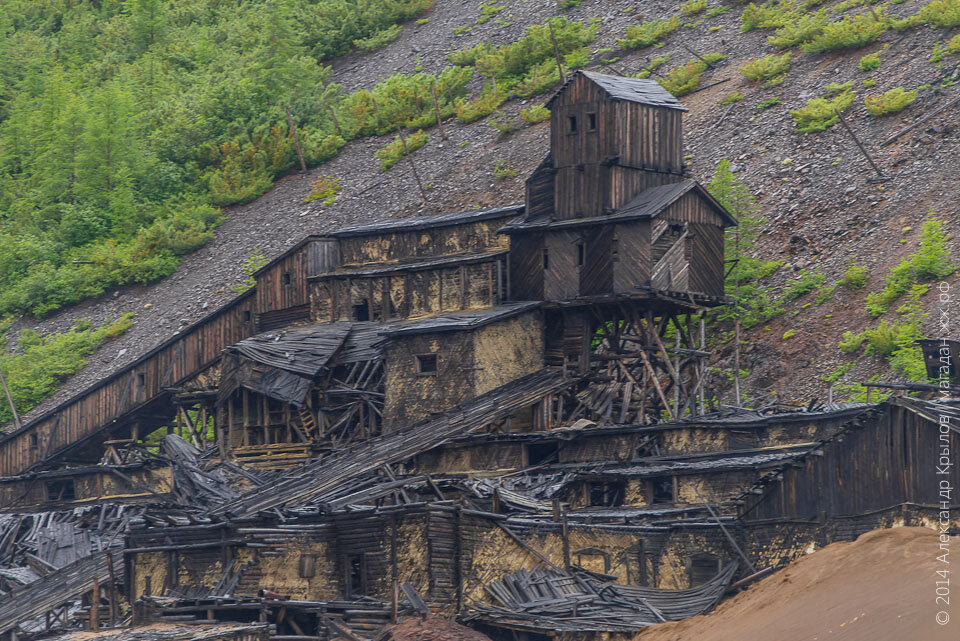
[498, 415]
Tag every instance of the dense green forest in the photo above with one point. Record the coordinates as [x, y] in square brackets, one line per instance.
[124, 125]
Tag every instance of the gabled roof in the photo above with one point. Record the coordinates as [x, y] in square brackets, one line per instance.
[647, 204]
[643, 91]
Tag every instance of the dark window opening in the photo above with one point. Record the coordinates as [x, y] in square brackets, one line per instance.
[703, 567]
[614, 250]
[286, 278]
[593, 559]
[581, 253]
[662, 490]
[540, 453]
[308, 566]
[61, 490]
[247, 315]
[34, 441]
[361, 312]
[607, 494]
[427, 364]
[356, 576]
[591, 122]
[141, 379]
[546, 259]
[573, 124]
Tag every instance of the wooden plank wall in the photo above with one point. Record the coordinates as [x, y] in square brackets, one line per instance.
[705, 250]
[596, 275]
[526, 266]
[633, 261]
[561, 279]
[178, 359]
[442, 241]
[539, 189]
[883, 463]
[283, 284]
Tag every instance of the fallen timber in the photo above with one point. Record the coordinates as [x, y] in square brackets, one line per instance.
[543, 599]
[325, 474]
[57, 588]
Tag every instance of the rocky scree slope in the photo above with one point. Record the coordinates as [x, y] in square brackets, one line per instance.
[822, 211]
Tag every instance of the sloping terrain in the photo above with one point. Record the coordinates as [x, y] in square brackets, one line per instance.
[881, 586]
[822, 212]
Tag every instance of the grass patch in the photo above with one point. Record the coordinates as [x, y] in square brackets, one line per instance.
[807, 282]
[931, 261]
[769, 102]
[503, 171]
[42, 363]
[736, 96]
[890, 102]
[535, 114]
[324, 188]
[379, 39]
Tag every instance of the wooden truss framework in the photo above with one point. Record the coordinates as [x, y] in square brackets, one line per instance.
[642, 368]
[344, 406]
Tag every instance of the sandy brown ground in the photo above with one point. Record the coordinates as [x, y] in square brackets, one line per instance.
[877, 588]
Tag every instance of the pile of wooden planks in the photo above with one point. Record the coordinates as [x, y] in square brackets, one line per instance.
[551, 599]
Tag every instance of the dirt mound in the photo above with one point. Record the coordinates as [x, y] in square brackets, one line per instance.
[434, 629]
[880, 587]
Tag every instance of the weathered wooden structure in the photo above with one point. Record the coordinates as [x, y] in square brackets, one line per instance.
[498, 414]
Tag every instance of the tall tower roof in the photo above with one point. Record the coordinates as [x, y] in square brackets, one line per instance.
[643, 91]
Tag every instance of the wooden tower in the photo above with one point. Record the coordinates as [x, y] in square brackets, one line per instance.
[623, 247]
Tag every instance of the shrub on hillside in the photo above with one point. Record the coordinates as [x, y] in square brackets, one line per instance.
[535, 114]
[805, 28]
[890, 102]
[942, 13]
[640, 36]
[693, 7]
[855, 277]
[472, 110]
[686, 78]
[769, 15]
[870, 62]
[400, 147]
[379, 39]
[820, 113]
[765, 68]
[852, 32]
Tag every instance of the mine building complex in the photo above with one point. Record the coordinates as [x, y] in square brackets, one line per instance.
[499, 416]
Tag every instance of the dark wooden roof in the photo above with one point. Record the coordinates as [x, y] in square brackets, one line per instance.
[411, 265]
[643, 91]
[301, 350]
[458, 321]
[399, 225]
[647, 204]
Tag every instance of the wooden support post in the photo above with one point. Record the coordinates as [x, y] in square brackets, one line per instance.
[436, 110]
[859, 145]
[13, 409]
[413, 168]
[930, 115]
[336, 123]
[556, 52]
[296, 138]
[565, 540]
[112, 590]
[95, 606]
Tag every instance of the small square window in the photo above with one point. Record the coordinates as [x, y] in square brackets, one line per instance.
[141, 379]
[286, 278]
[427, 364]
[573, 124]
[661, 490]
[34, 441]
[591, 122]
[247, 315]
[60, 490]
